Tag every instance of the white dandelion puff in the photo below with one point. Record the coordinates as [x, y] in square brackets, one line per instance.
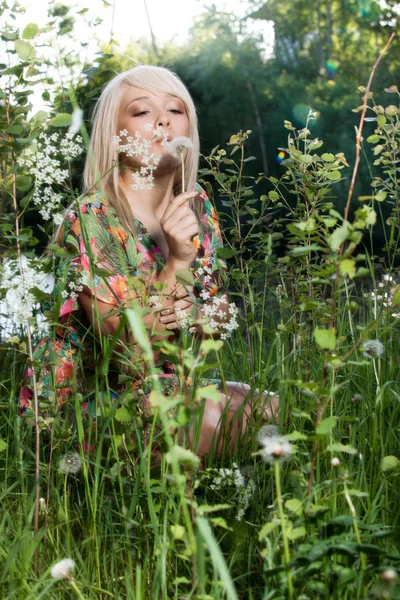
[267, 431]
[373, 349]
[63, 569]
[71, 462]
[276, 448]
[335, 462]
[178, 145]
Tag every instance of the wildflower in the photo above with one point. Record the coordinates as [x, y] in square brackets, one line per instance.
[140, 147]
[335, 462]
[212, 309]
[373, 349]
[63, 569]
[244, 490]
[276, 448]
[70, 463]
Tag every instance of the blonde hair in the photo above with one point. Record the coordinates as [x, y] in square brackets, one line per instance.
[101, 167]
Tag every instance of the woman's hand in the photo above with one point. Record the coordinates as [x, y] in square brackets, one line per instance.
[179, 225]
[182, 308]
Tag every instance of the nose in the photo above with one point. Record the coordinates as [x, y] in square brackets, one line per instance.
[163, 120]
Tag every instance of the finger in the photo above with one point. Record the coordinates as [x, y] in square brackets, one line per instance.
[184, 231]
[183, 304]
[187, 292]
[168, 318]
[181, 214]
[176, 203]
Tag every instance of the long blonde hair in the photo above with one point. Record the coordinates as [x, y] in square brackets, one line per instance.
[101, 167]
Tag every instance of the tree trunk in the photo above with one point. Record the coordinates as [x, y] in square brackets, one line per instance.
[259, 122]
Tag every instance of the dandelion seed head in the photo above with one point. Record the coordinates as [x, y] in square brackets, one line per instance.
[335, 462]
[178, 145]
[373, 349]
[63, 569]
[71, 462]
[389, 575]
[266, 432]
[276, 448]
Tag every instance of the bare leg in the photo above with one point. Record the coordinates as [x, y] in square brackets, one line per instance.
[225, 423]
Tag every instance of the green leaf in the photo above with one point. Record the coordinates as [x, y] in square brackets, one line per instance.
[3, 445]
[30, 31]
[334, 175]
[381, 120]
[342, 448]
[295, 506]
[208, 345]
[204, 509]
[25, 50]
[328, 157]
[306, 158]
[388, 463]
[178, 532]
[185, 277]
[340, 235]
[295, 436]
[326, 426]
[15, 129]
[23, 182]
[61, 120]
[123, 415]
[373, 139]
[225, 252]
[267, 528]
[325, 338]
[182, 456]
[301, 250]
[381, 196]
[274, 196]
[348, 267]
[220, 522]
[296, 532]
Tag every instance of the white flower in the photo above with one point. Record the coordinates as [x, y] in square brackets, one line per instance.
[178, 145]
[71, 462]
[76, 121]
[373, 349]
[276, 448]
[389, 575]
[335, 462]
[63, 569]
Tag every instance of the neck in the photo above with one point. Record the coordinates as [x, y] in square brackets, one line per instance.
[148, 202]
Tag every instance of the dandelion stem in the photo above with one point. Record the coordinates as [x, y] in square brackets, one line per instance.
[283, 527]
[76, 589]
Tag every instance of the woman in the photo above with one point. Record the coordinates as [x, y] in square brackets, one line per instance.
[130, 237]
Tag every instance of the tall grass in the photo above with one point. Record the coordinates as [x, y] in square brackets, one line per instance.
[322, 524]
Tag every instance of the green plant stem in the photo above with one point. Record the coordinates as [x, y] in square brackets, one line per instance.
[76, 589]
[283, 527]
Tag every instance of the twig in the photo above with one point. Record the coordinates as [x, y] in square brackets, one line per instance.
[360, 127]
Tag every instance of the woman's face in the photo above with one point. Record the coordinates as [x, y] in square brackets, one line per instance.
[139, 107]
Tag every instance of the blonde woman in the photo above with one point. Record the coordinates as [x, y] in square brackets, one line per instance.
[129, 238]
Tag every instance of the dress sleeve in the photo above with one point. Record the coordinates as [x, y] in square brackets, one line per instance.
[209, 269]
[95, 249]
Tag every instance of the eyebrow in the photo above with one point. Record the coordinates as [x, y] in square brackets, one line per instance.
[146, 98]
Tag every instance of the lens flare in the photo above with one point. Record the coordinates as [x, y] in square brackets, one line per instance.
[281, 156]
[300, 113]
[331, 67]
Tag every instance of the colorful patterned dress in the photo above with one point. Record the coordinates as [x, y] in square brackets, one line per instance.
[119, 271]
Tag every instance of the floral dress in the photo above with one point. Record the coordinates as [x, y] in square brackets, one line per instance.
[120, 271]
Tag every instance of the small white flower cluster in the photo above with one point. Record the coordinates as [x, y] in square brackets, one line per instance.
[373, 349]
[138, 146]
[44, 161]
[382, 295]
[72, 289]
[234, 477]
[155, 302]
[19, 302]
[212, 310]
[71, 462]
